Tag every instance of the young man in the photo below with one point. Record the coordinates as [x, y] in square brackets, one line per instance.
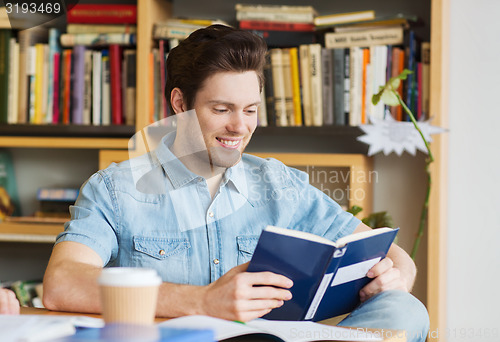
[8, 302]
[195, 215]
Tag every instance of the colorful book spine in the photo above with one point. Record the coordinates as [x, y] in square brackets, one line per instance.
[365, 84]
[316, 84]
[327, 77]
[338, 86]
[383, 36]
[96, 87]
[54, 48]
[163, 77]
[66, 118]
[295, 70]
[115, 63]
[102, 14]
[97, 28]
[306, 84]
[106, 89]
[279, 87]
[56, 88]
[98, 39]
[13, 81]
[87, 89]
[287, 81]
[275, 26]
[78, 85]
[130, 86]
[39, 84]
[347, 85]
[5, 36]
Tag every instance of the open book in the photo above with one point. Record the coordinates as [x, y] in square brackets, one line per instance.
[278, 330]
[327, 275]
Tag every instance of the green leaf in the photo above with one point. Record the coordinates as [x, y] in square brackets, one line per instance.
[376, 98]
[394, 83]
[389, 98]
[404, 74]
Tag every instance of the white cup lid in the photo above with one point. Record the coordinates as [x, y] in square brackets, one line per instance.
[129, 276]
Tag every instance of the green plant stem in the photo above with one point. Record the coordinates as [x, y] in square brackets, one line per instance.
[428, 161]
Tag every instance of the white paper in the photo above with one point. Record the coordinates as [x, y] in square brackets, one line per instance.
[354, 271]
[291, 331]
[318, 296]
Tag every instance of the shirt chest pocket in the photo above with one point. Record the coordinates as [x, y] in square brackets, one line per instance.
[168, 256]
[246, 247]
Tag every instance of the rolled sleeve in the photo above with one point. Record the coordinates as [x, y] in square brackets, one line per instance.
[93, 219]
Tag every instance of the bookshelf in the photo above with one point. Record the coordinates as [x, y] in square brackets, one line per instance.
[115, 140]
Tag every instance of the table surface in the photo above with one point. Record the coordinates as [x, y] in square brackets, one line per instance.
[389, 335]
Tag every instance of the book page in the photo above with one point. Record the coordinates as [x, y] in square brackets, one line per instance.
[32, 328]
[359, 236]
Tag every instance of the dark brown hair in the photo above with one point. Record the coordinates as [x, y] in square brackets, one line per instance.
[213, 49]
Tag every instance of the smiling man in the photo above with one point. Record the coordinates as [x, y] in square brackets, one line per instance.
[198, 221]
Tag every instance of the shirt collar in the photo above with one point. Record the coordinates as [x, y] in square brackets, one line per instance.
[176, 171]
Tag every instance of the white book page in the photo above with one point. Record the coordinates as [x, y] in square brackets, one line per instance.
[291, 331]
[33, 328]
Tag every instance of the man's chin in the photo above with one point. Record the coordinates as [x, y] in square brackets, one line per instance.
[224, 157]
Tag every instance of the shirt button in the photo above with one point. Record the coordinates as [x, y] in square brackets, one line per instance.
[211, 214]
[216, 261]
[162, 252]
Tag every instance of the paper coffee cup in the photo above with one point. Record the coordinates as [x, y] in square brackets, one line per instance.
[129, 295]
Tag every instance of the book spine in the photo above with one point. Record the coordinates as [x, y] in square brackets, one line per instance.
[78, 85]
[102, 14]
[356, 80]
[151, 93]
[96, 87]
[425, 58]
[338, 86]
[341, 18]
[316, 84]
[13, 81]
[275, 26]
[85, 28]
[276, 16]
[87, 90]
[365, 85]
[39, 78]
[327, 76]
[295, 70]
[54, 48]
[279, 87]
[167, 32]
[5, 36]
[97, 39]
[269, 89]
[410, 53]
[115, 61]
[392, 35]
[287, 78]
[56, 88]
[262, 110]
[67, 86]
[419, 91]
[306, 83]
[106, 89]
[130, 87]
[347, 85]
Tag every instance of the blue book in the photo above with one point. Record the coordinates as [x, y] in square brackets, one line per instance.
[327, 276]
[133, 333]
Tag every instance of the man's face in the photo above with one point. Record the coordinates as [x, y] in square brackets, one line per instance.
[226, 107]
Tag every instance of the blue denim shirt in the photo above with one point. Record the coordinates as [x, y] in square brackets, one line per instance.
[151, 211]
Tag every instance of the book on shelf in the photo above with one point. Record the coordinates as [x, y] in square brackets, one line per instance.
[328, 91]
[98, 39]
[261, 329]
[356, 85]
[54, 51]
[13, 81]
[280, 39]
[102, 14]
[339, 18]
[129, 81]
[280, 105]
[5, 36]
[105, 89]
[287, 82]
[425, 84]
[78, 84]
[269, 91]
[100, 28]
[87, 88]
[338, 85]
[400, 19]
[304, 61]
[295, 73]
[275, 26]
[382, 36]
[96, 87]
[278, 13]
[327, 275]
[181, 28]
[316, 73]
[115, 65]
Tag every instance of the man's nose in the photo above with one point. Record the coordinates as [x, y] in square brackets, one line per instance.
[236, 122]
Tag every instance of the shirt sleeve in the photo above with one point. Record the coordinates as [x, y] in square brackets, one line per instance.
[93, 219]
[317, 213]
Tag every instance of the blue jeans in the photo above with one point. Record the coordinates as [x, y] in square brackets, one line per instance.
[395, 310]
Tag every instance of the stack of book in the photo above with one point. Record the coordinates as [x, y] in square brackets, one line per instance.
[280, 26]
[332, 82]
[83, 77]
[55, 202]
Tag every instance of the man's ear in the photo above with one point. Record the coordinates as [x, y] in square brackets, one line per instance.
[177, 101]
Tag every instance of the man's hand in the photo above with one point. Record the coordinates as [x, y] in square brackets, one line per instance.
[385, 277]
[8, 303]
[243, 296]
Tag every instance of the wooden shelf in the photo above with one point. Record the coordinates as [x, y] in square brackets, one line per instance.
[29, 232]
[64, 142]
[83, 131]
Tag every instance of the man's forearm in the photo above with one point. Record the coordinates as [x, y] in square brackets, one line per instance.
[175, 300]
